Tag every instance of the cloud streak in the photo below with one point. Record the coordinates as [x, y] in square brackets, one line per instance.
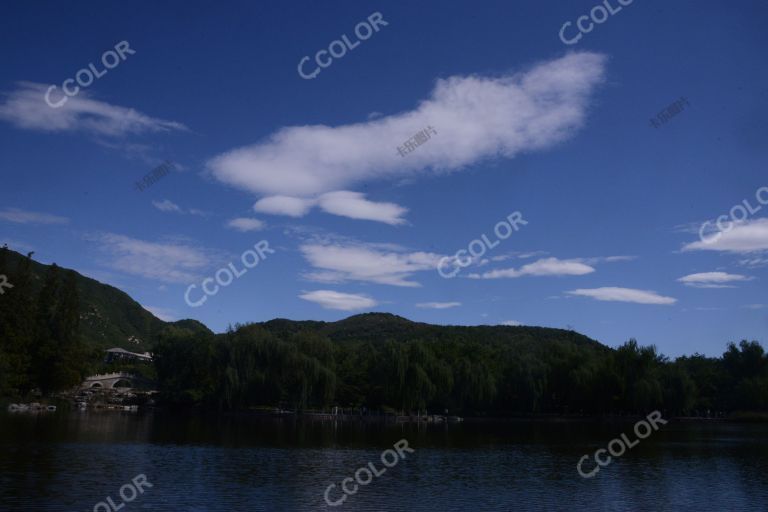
[330, 299]
[27, 217]
[438, 305]
[713, 279]
[616, 294]
[26, 108]
[542, 267]
[165, 262]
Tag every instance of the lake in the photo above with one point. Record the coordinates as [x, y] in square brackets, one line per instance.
[74, 461]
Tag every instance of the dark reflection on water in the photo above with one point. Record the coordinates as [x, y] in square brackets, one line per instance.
[70, 462]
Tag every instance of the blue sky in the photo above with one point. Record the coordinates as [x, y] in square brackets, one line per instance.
[520, 122]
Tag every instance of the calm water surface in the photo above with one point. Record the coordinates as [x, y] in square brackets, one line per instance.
[72, 461]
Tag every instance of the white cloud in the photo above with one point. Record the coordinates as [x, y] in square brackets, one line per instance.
[246, 224]
[542, 267]
[171, 262]
[476, 118]
[608, 259]
[344, 203]
[284, 205]
[26, 108]
[355, 206]
[167, 205]
[712, 279]
[756, 306]
[330, 299]
[340, 262]
[755, 262]
[512, 323]
[615, 294]
[438, 305]
[749, 236]
[27, 217]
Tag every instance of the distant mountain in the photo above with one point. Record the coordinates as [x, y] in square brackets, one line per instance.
[380, 327]
[109, 317]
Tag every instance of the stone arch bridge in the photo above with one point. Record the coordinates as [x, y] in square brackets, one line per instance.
[116, 380]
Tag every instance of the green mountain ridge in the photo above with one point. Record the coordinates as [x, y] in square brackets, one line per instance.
[55, 323]
[109, 317]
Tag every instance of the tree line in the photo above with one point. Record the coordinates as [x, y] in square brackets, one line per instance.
[252, 366]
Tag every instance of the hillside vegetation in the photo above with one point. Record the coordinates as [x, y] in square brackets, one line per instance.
[55, 323]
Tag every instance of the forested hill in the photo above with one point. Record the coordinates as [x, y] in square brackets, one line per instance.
[386, 326]
[109, 317]
[55, 322]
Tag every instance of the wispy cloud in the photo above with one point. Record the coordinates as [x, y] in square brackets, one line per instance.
[348, 261]
[170, 262]
[712, 279]
[330, 299]
[616, 294]
[246, 224]
[755, 262]
[476, 117]
[744, 237]
[542, 267]
[27, 217]
[166, 205]
[438, 305]
[26, 108]
[512, 323]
